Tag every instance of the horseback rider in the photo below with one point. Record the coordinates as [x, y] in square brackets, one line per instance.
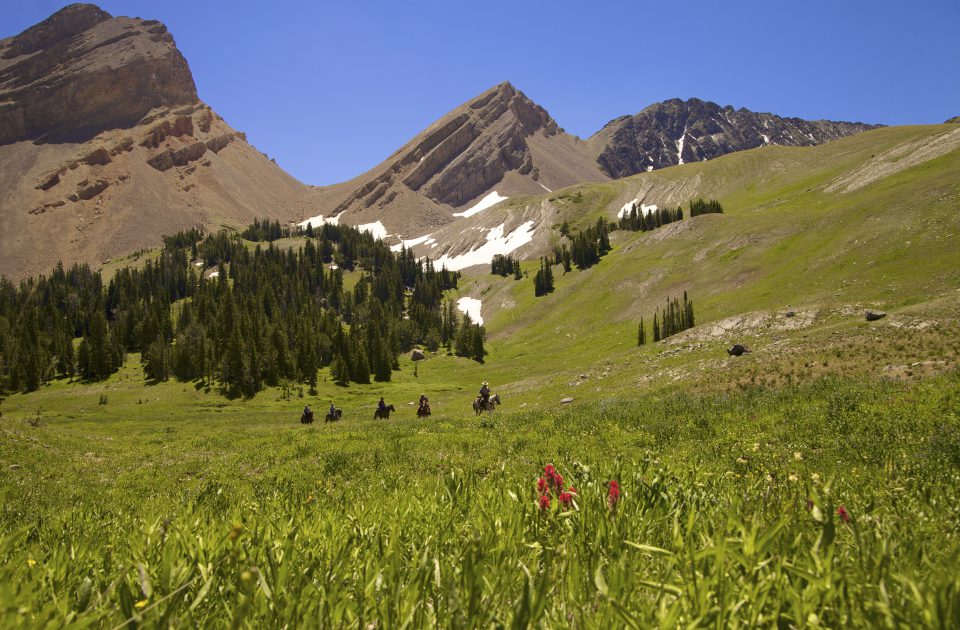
[381, 406]
[306, 411]
[484, 393]
[333, 410]
[424, 403]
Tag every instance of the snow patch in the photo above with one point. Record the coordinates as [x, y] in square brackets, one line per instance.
[649, 168]
[496, 243]
[766, 140]
[410, 243]
[680, 144]
[545, 188]
[318, 220]
[491, 199]
[470, 306]
[376, 228]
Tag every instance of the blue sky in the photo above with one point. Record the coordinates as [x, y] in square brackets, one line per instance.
[331, 89]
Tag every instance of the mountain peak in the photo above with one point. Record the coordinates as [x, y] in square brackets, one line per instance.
[82, 71]
[71, 20]
[677, 131]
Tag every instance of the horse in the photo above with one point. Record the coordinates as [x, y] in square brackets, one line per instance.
[490, 405]
[383, 415]
[423, 411]
[333, 417]
[307, 417]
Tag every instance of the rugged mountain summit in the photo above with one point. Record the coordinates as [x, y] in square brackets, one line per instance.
[105, 147]
[499, 141]
[60, 79]
[675, 131]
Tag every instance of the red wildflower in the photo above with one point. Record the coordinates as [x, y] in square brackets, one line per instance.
[549, 471]
[843, 514]
[557, 482]
[541, 485]
[566, 500]
[613, 494]
[571, 490]
[544, 502]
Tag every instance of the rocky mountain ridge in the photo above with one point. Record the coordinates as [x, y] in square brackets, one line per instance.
[675, 132]
[105, 146]
[500, 141]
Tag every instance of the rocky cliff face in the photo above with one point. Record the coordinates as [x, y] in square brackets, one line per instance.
[62, 80]
[676, 132]
[500, 140]
[104, 146]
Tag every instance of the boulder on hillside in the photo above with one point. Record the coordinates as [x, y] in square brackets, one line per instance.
[417, 355]
[566, 401]
[872, 316]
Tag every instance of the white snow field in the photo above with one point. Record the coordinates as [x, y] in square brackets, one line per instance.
[470, 306]
[318, 220]
[497, 243]
[377, 229]
[491, 199]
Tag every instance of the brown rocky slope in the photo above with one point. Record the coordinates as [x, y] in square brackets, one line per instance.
[105, 147]
[500, 141]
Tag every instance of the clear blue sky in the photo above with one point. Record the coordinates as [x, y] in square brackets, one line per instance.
[331, 89]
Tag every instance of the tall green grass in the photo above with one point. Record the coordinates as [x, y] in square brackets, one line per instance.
[728, 516]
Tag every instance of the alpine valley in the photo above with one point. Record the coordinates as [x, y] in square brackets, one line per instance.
[722, 349]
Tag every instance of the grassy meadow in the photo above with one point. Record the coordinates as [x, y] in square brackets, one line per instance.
[812, 483]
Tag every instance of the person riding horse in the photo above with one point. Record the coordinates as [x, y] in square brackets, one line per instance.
[423, 406]
[381, 406]
[484, 393]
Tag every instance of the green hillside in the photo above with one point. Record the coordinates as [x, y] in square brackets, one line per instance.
[811, 482]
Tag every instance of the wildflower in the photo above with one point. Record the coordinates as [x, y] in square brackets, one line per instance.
[566, 500]
[31, 562]
[815, 477]
[571, 490]
[741, 460]
[797, 456]
[843, 514]
[557, 482]
[549, 471]
[613, 494]
[544, 502]
[141, 604]
[541, 486]
[793, 478]
[756, 446]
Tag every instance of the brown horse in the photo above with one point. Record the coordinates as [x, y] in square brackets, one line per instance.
[307, 418]
[333, 417]
[491, 404]
[383, 415]
[423, 411]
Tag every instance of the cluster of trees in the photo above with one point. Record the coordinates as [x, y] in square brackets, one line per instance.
[266, 230]
[699, 206]
[590, 245]
[505, 265]
[676, 317]
[637, 220]
[269, 315]
[543, 281]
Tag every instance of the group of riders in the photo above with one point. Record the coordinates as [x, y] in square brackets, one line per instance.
[423, 405]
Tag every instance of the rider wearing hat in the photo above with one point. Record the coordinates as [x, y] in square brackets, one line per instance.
[484, 393]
